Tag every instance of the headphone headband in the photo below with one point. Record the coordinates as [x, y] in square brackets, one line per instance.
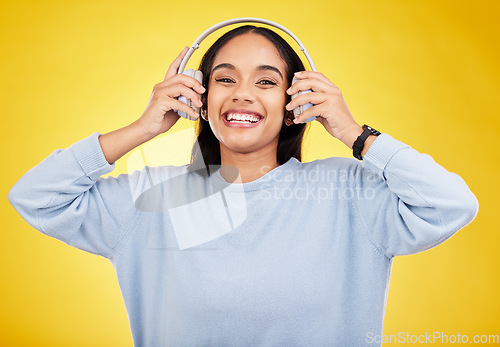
[225, 23]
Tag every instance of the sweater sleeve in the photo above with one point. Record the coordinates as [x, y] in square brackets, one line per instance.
[64, 197]
[410, 203]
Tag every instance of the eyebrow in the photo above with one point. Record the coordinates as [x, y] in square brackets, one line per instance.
[260, 68]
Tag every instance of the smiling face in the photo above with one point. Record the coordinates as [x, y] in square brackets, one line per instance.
[247, 95]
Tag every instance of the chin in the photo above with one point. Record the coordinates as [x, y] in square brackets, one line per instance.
[241, 146]
[246, 140]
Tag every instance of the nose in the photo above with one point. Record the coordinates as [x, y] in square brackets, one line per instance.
[242, 92]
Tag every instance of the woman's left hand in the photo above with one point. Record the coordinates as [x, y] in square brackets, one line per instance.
[329, 107]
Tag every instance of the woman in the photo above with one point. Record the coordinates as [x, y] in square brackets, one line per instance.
[265, 249]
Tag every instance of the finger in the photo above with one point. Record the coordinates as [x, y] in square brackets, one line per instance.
[312, 84]
[313, 98]
[179, 105]
[172, 69]
[313, 74]
[313, 111]
[178, 90]
[188, 81]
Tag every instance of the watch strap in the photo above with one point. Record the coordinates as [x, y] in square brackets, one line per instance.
[358, 145]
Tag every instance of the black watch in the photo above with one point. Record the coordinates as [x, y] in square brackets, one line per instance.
[358, 145]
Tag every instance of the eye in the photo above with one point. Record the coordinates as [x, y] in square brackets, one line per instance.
[224, 80]
[267, 82]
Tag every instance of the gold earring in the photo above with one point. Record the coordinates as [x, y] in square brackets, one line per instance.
[289, 117]
[204, 114]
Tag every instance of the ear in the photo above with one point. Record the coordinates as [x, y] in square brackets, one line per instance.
[289, 117]
[204, 100]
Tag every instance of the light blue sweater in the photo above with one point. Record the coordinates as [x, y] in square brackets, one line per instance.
[299, 257]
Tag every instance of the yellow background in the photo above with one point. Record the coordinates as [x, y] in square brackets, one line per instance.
[426, 72]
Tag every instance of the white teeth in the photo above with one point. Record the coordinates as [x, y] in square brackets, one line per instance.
[242, 117]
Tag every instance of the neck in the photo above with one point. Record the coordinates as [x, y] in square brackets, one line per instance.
[250, 166]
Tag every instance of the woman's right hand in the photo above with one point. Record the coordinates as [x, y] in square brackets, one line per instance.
[161, 111]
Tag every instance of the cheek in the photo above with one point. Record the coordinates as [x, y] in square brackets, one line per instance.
[276, 103]
[215, 100]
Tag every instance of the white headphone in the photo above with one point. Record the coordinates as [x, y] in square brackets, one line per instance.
[199, 75]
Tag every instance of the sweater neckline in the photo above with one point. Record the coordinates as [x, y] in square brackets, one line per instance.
[271, 178]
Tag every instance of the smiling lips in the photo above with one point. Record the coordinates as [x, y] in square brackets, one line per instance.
[241, 118]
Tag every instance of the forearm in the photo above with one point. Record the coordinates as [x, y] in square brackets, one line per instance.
[414, 203]
[64, 197]
[59, 179]
[117, 143]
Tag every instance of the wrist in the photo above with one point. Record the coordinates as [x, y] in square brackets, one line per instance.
[364, 141]
[140, 132]
[351, 135]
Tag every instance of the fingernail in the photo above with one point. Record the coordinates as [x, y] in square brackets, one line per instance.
[296, 120]
[298, 73]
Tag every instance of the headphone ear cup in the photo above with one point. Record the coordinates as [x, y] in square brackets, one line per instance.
[199, 77]
[297, 111]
